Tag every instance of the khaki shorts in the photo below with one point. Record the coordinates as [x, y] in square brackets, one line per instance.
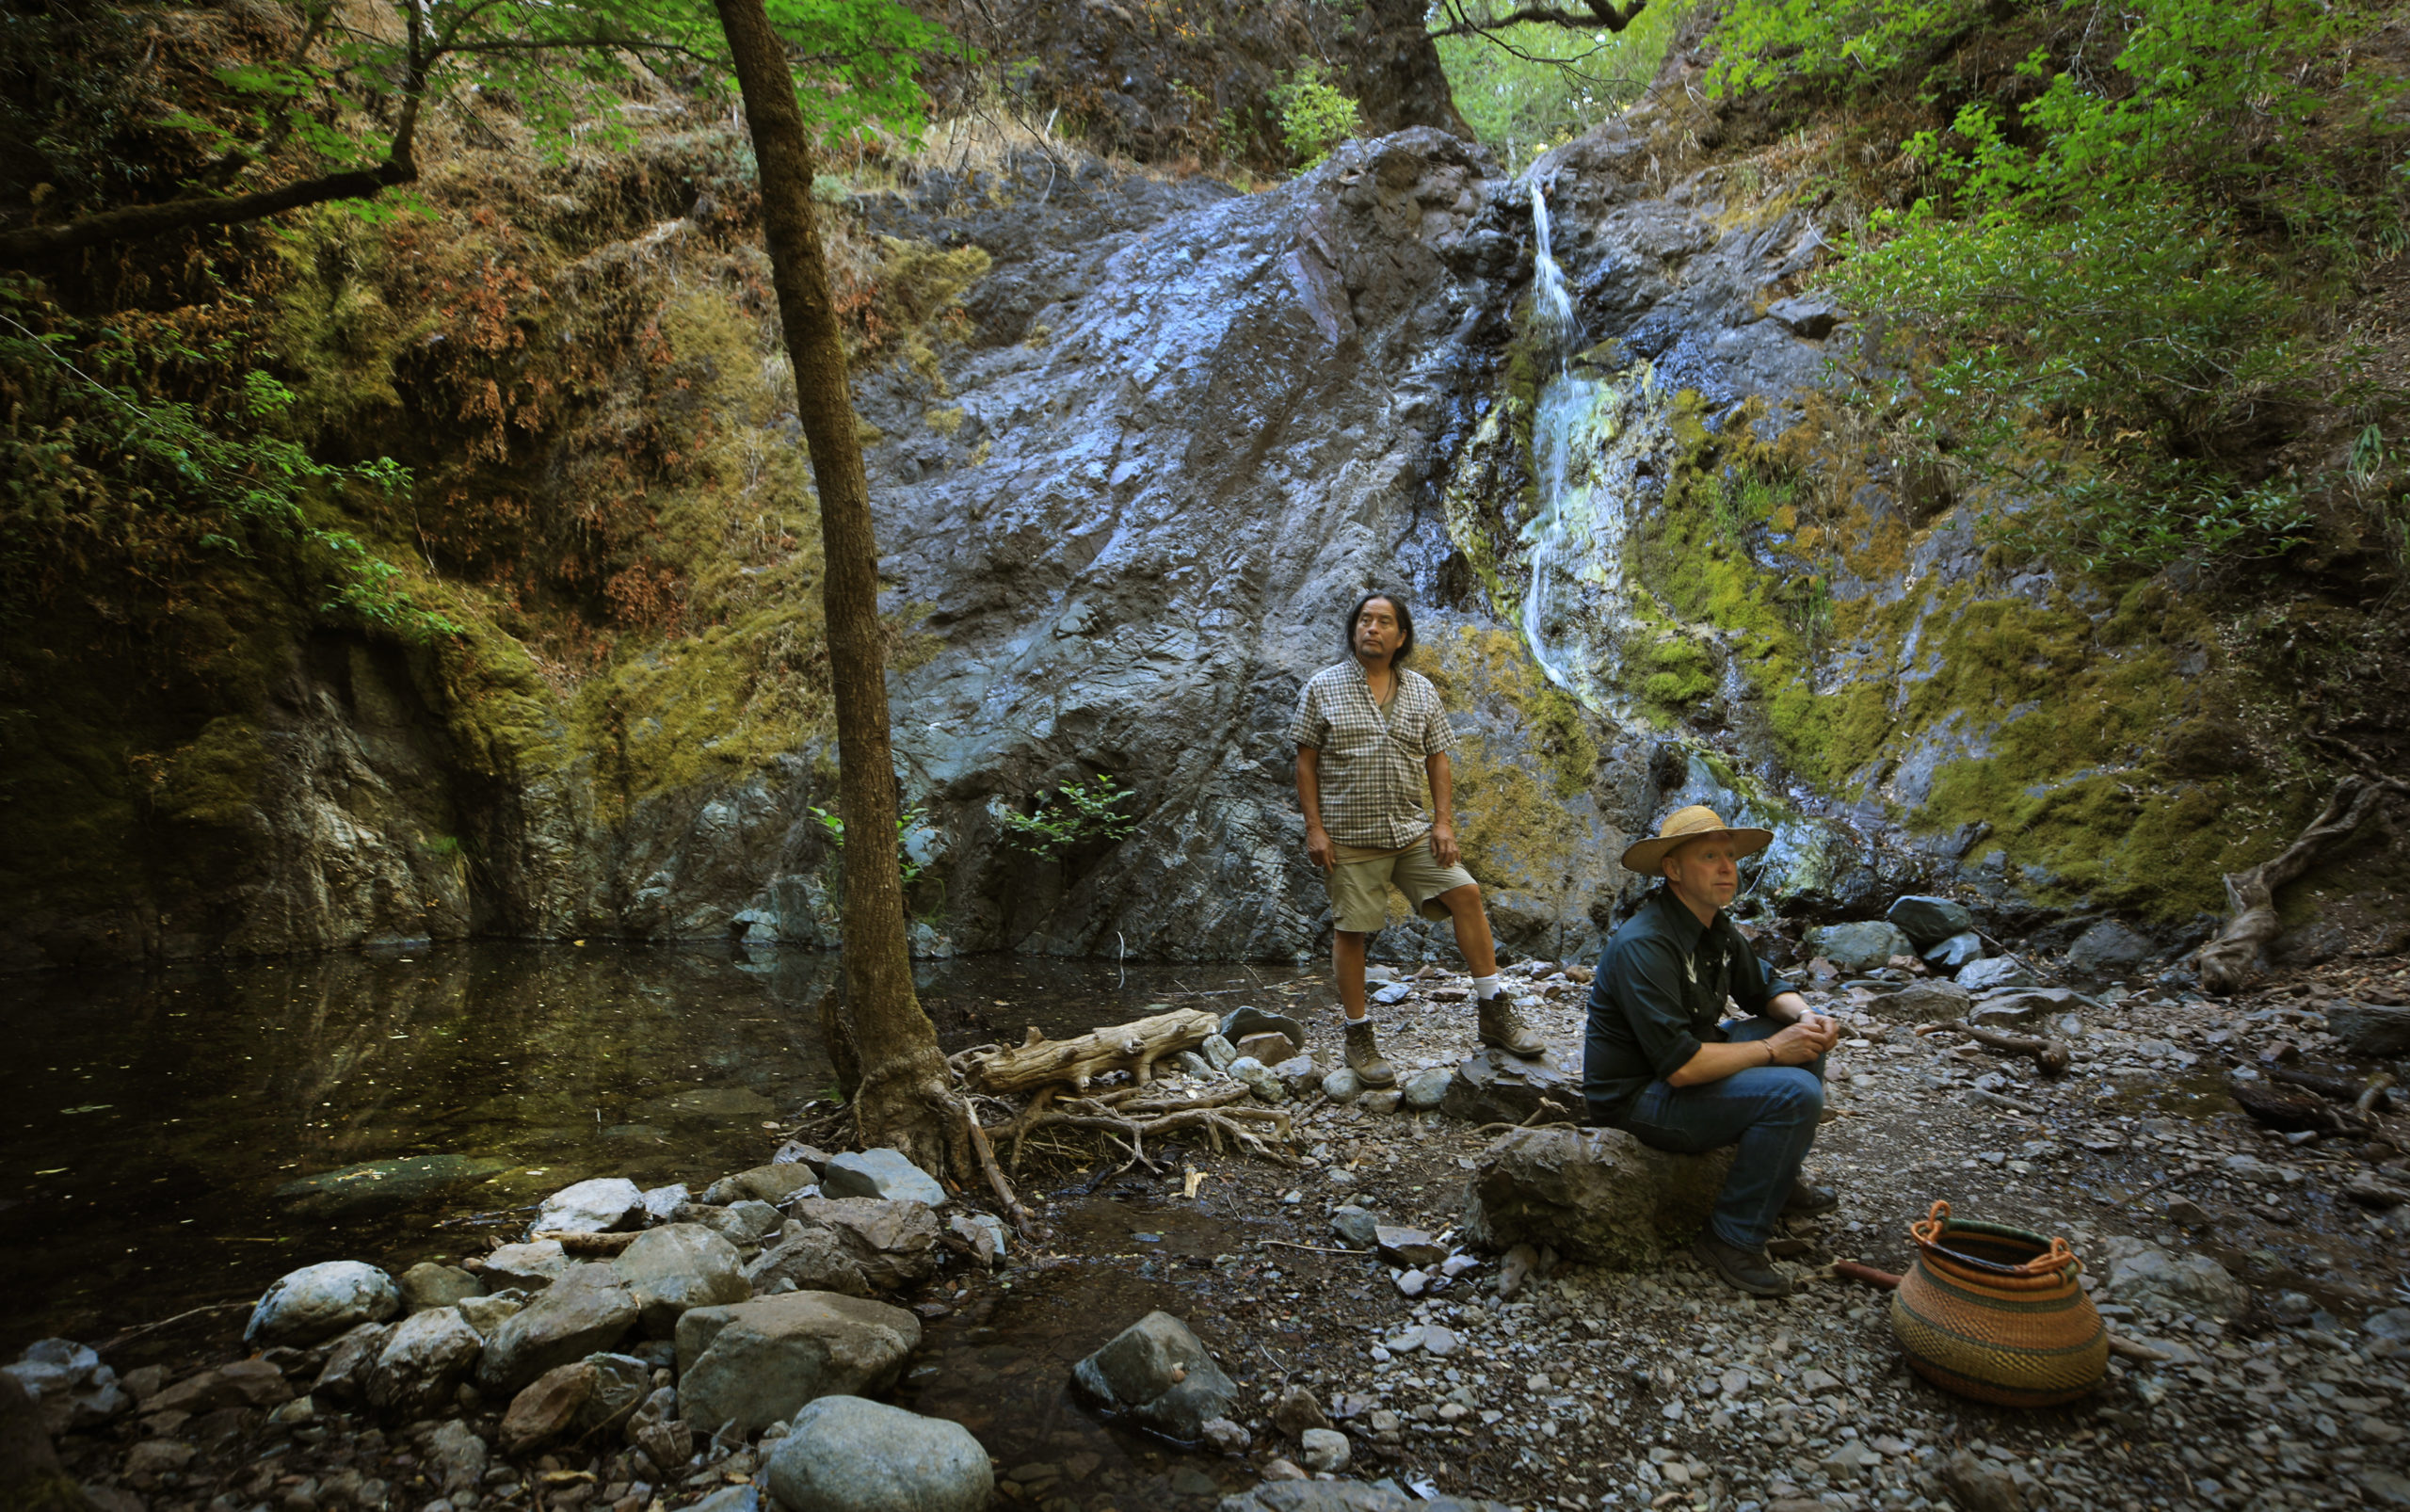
[1359, 889]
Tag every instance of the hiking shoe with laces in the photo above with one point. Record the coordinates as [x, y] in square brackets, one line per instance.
[1805, 1199]
[1364, 1055]
[1751, 1272]
[1502, 1028]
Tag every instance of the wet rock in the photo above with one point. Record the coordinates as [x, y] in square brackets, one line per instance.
[676, 1268]
[1259, 1079]
[1994, 973]
[2107, 949]
[1927, 921]
[604, 1205]
[574, 1317]
[1402, 1246]
[813, 1258]
[383, 1183]
[1951, 954]
[1426, 1090]
[425, 1359]
[886, 1175]
[1814, 318]
[1858, 947]
[1596, 1193]
[456, 1458]
[529, 1267]
[2144, 1277]
[1342, 1085]
[1324, 1450]
[69, 1384]
[846, 1454]
[345, 1377]
[1491, 1086]
[1158, 1375]
[1384, 1101]
[1297, 1411]
[1356, 1227]
[1924, 1003]
[754, 1363]
[1218, 1051]
[316, 1302]
[2379, 1029]
[773, 1183]
[1980, 1485]
[427, 1284]
[984, 1233]
[893, 1243]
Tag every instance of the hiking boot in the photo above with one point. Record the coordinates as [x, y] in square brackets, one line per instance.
[1752, 1273]
[1805, 1200]
[1502, 1028]
[1364, 1055]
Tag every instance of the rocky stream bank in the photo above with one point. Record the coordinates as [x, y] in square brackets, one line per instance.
[1401, 1306]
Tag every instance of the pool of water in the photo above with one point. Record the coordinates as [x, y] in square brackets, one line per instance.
[180, 1138]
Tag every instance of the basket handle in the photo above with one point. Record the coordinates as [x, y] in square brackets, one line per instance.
[2060, 1256]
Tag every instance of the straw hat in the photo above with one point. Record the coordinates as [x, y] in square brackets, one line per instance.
[1683, 825]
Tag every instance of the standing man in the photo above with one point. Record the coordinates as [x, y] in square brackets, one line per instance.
[1658, 1064]
[1368, 734]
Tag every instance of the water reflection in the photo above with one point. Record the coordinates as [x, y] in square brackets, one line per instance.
[185, 1135]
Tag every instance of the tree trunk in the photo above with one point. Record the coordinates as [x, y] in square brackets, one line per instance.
[1393, 72]
[2227, 963]
[905, 1099]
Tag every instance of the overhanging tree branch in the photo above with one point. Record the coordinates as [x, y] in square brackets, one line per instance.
[1597, 15]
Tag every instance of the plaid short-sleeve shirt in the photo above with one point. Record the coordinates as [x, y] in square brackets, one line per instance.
[1370, 771]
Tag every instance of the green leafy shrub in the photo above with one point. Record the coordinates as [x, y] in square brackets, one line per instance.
[1314, 116]
[834, 826]
[1077, 814]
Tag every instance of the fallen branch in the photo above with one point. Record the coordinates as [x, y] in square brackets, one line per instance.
[2228, 960]
[1038, 1061]
[132, 1334]
[2365, 1097]
[2052, 1056]
[1013, 1210]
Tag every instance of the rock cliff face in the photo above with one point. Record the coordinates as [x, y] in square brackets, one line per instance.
[1122, 519]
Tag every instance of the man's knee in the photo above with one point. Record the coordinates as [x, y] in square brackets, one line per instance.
[1462, 899]
[1794, 1092]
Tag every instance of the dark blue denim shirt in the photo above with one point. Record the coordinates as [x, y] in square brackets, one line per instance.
[1659, 994]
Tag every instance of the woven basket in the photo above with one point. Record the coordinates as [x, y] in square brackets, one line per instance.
[1995, 1313]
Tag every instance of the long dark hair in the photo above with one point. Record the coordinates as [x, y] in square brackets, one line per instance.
[1405, 626]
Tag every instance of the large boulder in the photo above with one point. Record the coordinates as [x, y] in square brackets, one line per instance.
[683, 1265]
[2110, 949]
[843, 1454]
[584, 1400]
[1859, 947]
[2381, 1029]
[425, 1359]
[894, 1243]
[888, 1175]
[1491, 1086]
[576, 1316]
[1928, 921]
[1599, 1194]
[807, 1258]
[754, 1363]
[1158, 1375]
[316, 1302]
[602, 1205]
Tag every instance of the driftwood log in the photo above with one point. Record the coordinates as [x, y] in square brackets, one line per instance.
[1039, 1062]
[2228, 962]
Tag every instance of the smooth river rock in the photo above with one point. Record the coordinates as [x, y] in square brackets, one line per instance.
[424, 1361]
[577, 1316]
[604, 1205]
[887, 1175]
[1859, 947]
[316, 1302]
[843, 1453]
[428, 1284]
[1158, 1375]
[754, 1363]
[683, 1265]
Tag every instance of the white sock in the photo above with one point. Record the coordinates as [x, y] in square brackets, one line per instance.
[1486, 987]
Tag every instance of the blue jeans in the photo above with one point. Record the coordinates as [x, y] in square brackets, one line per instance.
[1770, 1111]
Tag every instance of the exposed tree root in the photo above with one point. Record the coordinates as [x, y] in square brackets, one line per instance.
[2228, 961]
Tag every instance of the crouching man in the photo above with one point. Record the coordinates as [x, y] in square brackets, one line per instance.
[1661, 1062]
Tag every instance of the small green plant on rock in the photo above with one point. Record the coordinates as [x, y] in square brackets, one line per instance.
[1077, 814]
[1314, 116]
[909, 869]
